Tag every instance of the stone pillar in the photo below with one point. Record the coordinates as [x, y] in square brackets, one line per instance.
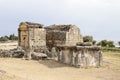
[100, 57]
[60, 55]
[28, 52]
[54, 52]
[86, 52]
[73, 58]
[79, 59]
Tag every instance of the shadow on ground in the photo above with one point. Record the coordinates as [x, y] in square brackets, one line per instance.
[2, 71]
[53, 63]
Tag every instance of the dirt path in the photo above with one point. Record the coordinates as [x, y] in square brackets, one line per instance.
[18, 69]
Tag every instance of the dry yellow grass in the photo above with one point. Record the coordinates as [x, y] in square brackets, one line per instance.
[113, 58]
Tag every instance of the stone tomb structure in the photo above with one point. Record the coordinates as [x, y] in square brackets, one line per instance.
[80, 56]
[31, 35]
[63, 35]
[64, 41]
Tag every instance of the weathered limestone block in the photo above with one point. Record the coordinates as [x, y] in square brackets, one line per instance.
[54, 52]
[60, 56]
[62, 35]
[31, 35]
[66, 55]
[5, 53]
[28, 52]
[91, 55]
[17, 52]
[38, 56]
[80, 56]
[80, 59]
[73, 56]
[84, 44]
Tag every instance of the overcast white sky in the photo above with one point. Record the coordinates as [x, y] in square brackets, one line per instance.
[99, 18]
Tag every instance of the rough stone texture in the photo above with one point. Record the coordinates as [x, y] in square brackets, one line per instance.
[39, 56]
[84, 44]
[80, 56]
[26, 54]
[62, 41]
[5, 53]
[63, 35]
[31, 35]
[18, 52]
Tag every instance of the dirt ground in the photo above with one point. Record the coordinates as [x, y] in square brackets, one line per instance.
[18, 69]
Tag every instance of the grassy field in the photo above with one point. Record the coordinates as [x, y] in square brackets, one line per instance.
[111, 54]
[113, 58]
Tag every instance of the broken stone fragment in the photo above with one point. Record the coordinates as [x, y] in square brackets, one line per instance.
[38, 56]
[84, 44]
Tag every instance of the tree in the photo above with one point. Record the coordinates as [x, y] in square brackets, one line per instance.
[4, 39]
[99, 44]
[104, 43]
[6, 36]
[119, 43]
[87, 38]
[94, 42]
[13, 37]
[110, 44]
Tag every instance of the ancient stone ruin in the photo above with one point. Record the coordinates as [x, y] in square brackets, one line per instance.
[80, 56]
[63, 42]
[31, 35]
[17, 53]
[63, 35]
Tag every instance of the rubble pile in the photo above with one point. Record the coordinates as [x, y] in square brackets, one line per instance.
[18, 53]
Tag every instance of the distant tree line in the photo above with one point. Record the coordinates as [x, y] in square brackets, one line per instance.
[102, 43]
[11, 37]
[119, 43]
[106, 45]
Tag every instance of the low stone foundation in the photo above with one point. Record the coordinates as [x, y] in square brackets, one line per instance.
[80, 56]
